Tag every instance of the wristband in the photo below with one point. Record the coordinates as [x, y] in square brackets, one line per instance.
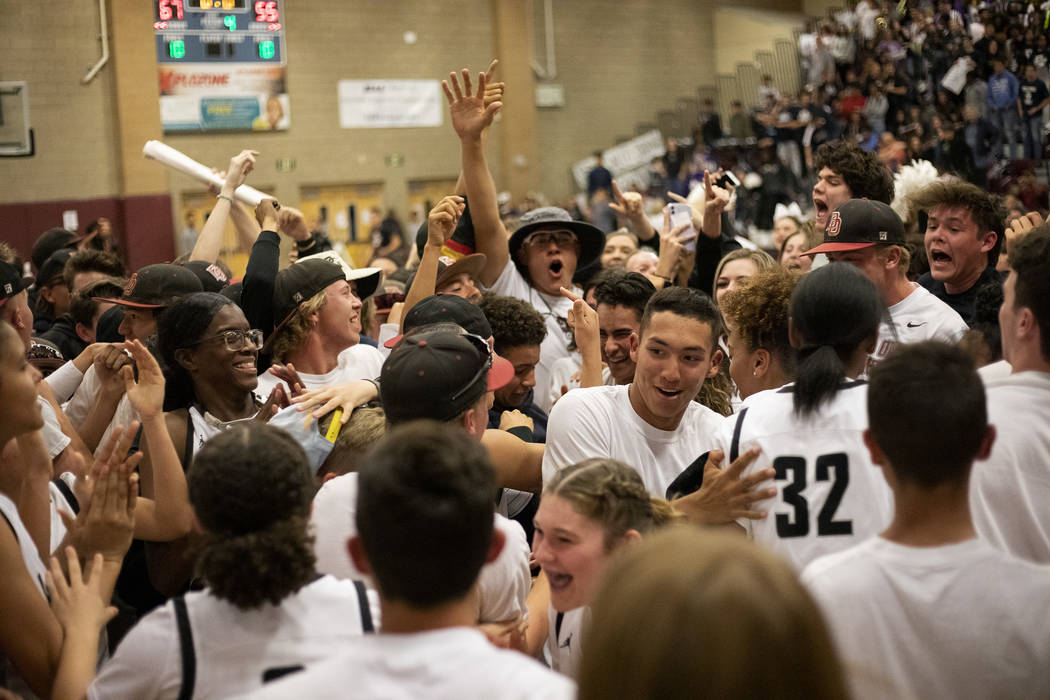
[521, 432]
[224, 196]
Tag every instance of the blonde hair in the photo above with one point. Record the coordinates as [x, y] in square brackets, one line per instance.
[762, 261]
[293, 333]
[365, 428]
[613, 495]
[692, 610]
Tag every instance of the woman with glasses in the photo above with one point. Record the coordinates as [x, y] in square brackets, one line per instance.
[209, 355]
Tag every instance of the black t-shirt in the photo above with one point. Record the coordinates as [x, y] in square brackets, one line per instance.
[964, 303]
[1031, 94]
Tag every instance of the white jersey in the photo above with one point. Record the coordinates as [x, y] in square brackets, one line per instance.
[565, 639]
[234, 649]
[356, 362]
[1010, 491]
[830, 495]
[445, 664]
[503, 585]
[555, 312]
[956, 621]
[917, 317]
[600, 422]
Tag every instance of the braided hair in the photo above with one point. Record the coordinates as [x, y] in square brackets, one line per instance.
[612, 494]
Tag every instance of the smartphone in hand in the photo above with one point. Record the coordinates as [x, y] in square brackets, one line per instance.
[683, 214]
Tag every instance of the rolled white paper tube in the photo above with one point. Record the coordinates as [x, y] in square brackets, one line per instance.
[176, 160]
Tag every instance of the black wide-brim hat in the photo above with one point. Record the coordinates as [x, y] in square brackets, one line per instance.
[591, 238]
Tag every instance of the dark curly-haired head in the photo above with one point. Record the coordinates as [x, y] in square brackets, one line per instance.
[863, 173]
[251, 489]
[514, 322]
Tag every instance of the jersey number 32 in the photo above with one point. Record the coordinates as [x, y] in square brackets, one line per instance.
[832, 467]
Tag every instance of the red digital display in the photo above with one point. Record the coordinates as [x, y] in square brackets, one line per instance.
[266, 11]
[169, 9]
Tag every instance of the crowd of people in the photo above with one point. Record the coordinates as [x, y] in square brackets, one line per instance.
[538, 459]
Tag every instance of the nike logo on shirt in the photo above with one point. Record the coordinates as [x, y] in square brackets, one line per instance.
[916, 325]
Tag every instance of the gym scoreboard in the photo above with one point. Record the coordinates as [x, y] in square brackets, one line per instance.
[221, 65]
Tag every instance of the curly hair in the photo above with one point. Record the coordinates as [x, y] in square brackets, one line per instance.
[716, 393]
[986, 209]
[612, 494]
[759, 311]
[251, 488]
[291, 335]
[864, 175]
[514, 322]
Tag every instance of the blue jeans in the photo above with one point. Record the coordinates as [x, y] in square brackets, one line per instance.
[1006, 121]
[1033, 136]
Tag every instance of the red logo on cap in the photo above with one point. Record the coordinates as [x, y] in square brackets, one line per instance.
[130, 286]
[834, 224]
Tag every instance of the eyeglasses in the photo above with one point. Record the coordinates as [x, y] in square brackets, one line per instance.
[234, 339]
[562, 238]
[482, 346]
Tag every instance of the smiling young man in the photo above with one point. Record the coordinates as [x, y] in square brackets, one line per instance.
[964, 233]
[870, 236]
[318, 302]
[652, 424]
[845, 172]
[621, 303]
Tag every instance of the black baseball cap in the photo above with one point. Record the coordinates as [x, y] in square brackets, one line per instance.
[300, 282]
[10, 281]
[52, 267]
[157, 286]
[213, 278]
[860, 223]
[49, 241]
[438, 375]
[445, 308]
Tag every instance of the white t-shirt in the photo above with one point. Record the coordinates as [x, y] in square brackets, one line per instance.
[446, 664]
[552, 308]
[503, 585]
[1010, 491]
[956, 621]
[54, 439]
[356, 362]
[562, 373]
[830, 495]
[917, 317]
[233, 647]
[564, 646]
[600, 422]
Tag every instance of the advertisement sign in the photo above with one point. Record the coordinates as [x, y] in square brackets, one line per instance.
[384, 104]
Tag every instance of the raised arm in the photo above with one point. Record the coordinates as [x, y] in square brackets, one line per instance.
[440, 225]
[209, 243]
[470, 117]
[167, 515]
[584, 322]
[245, 225]
[629, 206]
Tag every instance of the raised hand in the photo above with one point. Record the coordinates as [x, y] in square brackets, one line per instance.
[240, 165]
[147, 393]
[108, 363]
[724, 495]
[292, 223]
[105, 525]
[443, 219]
[627, 204]
[470, 115]
[716, 198]
[266, 213]
[78, 603]
[289, 376]
[277, 400]
[493, 90]
[346, 396]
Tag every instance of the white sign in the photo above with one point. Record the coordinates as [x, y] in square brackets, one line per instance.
[631, 157]
[70, 220]
[382, 104]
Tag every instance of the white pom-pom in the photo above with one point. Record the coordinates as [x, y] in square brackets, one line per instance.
[911, 179]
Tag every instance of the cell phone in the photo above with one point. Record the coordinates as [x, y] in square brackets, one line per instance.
[727, 180]
[683, 214]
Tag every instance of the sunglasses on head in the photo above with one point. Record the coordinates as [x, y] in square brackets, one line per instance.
[483, 349]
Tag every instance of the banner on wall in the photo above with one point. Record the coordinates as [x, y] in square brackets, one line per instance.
[628, 161]
[229, 96]
[385, 104]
